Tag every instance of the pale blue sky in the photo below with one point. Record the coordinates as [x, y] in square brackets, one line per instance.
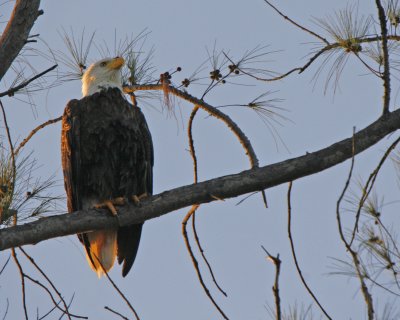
[162, 283]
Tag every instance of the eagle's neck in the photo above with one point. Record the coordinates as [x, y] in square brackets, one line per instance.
[93, 85]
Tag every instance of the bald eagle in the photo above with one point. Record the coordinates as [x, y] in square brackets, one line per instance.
[107, 156]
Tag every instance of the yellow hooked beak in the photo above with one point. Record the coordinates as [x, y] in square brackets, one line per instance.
[116, 63]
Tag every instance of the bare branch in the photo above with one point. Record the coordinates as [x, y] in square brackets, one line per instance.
[194, 260]
[34, 131]
[295, 23]
[275, 289]
[196, 237]
[224, 187]
[289, 229]
[115, 312]
[17, 31]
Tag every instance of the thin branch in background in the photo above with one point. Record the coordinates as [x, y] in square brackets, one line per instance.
[294, 252]
[296, 24]
[55, 303]
[204, 256]
[385, 56]
[47, 313]
[118, 290]
[194, 260]
[66, 309]
[22, 276]
[6, 311]
[34, 131]
[5, 265]
[370, 184]
[115, 312]
[356, 261]
[275, 289]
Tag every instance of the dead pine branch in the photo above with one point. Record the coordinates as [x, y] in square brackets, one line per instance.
[294, 255]
[275, 289]
[116, 313]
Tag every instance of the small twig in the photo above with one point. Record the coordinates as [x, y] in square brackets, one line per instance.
[115, 312]
[5, 312]
[296, 24]
[275, 289]
[294, 252]
[5, 265]
[34, 131]
[117, 289]
[194, 260]
[47, 313]
[55, 303]
[10, 92]
[196, 237]
[385, 57]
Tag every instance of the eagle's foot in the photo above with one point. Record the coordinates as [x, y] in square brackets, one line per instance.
[110, 205]
[136, 199]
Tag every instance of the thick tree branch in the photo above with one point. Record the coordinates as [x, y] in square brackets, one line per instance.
[16, 33]
[223, 187]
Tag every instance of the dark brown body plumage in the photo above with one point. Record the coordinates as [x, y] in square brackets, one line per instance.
[107, 152]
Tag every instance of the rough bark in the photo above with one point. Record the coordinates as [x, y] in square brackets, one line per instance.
[17, 31]
[203, 192]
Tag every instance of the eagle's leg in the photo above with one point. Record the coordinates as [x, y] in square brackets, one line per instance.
[136, 199]
[110, 205]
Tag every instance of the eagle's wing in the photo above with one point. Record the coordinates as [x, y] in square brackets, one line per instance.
[129, 237]
[71, 163]
[70, 155]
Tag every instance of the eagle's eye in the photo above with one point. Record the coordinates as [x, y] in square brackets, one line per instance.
[103, 64]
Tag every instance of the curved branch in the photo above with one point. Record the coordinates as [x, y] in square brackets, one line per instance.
[203, 192]
[17, 31]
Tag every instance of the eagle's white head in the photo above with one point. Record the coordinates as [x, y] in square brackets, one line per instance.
[102, 74]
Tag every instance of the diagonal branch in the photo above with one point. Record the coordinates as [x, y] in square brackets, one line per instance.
[203, 192]
[16, 33]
